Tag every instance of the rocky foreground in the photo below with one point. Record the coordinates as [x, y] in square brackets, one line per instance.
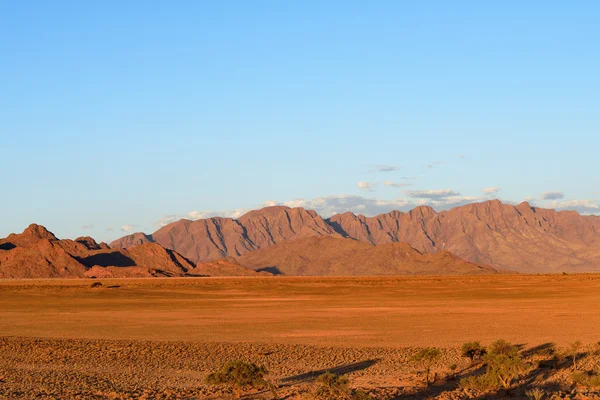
[100, 369]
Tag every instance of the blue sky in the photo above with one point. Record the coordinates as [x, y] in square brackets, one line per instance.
[119, 116]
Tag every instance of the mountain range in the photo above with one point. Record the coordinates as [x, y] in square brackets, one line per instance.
[519, 238]
[478, 238]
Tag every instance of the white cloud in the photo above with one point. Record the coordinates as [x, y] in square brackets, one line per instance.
[491, 190]
[432, 194]
[87, 227]
[110, 228]
[552, 196]
[396, 184]
[329, 205]
[581, 206]
[368, 186]
[127, 228]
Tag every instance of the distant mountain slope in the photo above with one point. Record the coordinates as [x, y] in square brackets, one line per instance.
[227, 267]
[329, 256]
[520, 238]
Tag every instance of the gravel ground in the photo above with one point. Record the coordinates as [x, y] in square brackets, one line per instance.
[123, 369]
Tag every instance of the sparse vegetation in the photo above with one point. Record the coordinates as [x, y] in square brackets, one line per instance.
[330, 386]
[503, 366]
[239, 376]
[473, 351]
[426, 357]
[573, 352]
[536, 394]
[585, 379]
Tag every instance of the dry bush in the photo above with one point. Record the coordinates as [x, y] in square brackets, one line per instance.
[330, 386]
[239, 376]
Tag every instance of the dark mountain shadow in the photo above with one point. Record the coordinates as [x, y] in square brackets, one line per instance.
[112, 259]
[273, 270]
[341, 370]
[337, 227]
[7, 246]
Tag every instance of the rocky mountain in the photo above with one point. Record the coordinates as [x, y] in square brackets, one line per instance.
[216, 238]
[331, 256]
[518, 238]
[37, 253]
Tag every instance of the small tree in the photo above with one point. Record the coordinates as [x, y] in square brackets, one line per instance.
[473, 351]
[240, 376]
[426, 357]
[573, 351]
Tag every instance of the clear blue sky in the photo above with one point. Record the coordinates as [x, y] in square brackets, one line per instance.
[123, 114]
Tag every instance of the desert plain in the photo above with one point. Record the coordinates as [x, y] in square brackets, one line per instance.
[158, 338]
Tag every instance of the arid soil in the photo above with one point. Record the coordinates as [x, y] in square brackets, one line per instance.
[158, 338]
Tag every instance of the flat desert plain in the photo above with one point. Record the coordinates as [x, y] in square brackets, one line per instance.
[158, 338]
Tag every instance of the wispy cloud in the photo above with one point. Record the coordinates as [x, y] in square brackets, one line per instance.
[432, 194]
[368, 186]
[491, 190]
[87, 227]
[552, 196]
[384, 168]
[433, 164]
[396, 184]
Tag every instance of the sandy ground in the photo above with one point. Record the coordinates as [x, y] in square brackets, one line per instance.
[157, 338]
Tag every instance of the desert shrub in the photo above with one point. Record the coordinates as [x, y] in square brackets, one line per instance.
[502, 347]
[473, 351]
[330, 386]
[480, 383]
[536, 394]
[96, 284]
[426, 357]
[239, 376]
[591, 381]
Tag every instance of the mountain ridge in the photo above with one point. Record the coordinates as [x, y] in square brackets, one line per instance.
[519, 238]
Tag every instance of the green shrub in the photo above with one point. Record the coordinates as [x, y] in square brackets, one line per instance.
[426, 357]
[481, 383]
[239, 376]
[590, 381]
[502, 347]
[473, 351]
